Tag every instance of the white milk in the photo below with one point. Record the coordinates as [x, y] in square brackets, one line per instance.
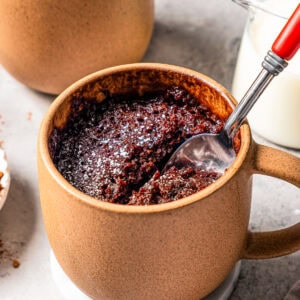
[276, 115]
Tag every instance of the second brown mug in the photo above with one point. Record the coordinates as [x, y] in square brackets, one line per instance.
[178, 250]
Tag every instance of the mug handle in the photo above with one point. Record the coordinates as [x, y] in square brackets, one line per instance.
[282, 165]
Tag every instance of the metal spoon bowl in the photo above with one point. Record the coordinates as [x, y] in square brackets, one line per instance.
[208, 152]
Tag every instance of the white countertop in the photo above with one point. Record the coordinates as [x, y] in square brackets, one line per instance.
[202, 35]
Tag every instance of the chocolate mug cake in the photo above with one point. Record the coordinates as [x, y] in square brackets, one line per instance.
[115, 150]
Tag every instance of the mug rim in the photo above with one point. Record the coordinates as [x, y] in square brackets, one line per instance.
[77, 195]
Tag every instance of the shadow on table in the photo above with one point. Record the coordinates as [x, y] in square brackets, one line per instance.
[17, 222]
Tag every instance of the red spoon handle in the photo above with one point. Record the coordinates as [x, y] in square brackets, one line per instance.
[288, 41]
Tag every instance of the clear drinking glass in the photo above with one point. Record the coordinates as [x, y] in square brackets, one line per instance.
[276, 115]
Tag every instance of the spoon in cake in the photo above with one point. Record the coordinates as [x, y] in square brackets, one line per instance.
[215, 152]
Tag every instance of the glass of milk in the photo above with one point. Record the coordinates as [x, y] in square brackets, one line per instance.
[276, 115]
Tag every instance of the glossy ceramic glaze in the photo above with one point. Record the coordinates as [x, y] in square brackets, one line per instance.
[49, 44]
[178, 250]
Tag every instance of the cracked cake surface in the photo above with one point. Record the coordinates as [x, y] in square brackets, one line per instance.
[114, 150]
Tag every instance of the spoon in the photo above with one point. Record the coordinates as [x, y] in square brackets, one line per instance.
[215, 152]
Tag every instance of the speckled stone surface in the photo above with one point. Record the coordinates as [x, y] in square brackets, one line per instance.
[202, 35]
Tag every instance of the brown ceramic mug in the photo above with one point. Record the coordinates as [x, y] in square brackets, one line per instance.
[178, 250]
[49, 44]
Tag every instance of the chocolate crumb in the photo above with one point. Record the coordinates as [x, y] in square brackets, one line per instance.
[15, 263]
[7, 255]
[29, 116]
